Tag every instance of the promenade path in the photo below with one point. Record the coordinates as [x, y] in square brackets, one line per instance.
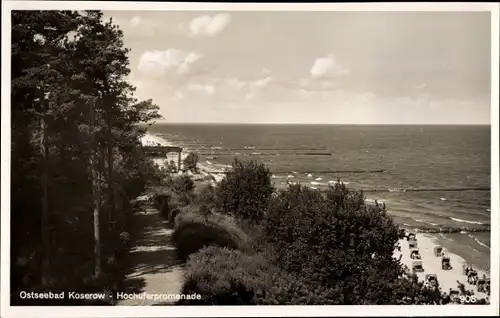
[154, 267]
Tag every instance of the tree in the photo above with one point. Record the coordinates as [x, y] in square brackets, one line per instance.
[75, 133]
[191, 162]
[245, 191]
[38, 70]
[104, 64]
[341, 245]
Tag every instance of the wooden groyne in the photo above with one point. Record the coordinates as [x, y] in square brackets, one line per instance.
[447, 229]
[420, 189]
[334, 171]
[265, 149]
[427, 189]
[323, 172]
[267, 154]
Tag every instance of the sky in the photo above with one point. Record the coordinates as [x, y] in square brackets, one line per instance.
[327, 67]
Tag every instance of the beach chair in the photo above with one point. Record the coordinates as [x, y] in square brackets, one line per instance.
[438, 251]
[412, 245]
[472, 277]
[454, 296]
[481, 285]
[417, 266]
[446, 263]
[466, 268]
[402, 233]
[431, 280]
[487, 286]
[415, 254]
[412, 236]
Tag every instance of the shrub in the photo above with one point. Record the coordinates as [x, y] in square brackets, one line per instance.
[229, 277]
[206, 196]
[190, 163]
[337, 242]
[182, 185]
[205, 199]
[182, 189]
[169, 205]
[194, 231]
[245, 191]
[171, 167]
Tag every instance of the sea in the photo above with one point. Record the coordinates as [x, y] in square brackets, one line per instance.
[390, 160]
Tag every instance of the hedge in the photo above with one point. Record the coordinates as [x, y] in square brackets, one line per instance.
[193, 231]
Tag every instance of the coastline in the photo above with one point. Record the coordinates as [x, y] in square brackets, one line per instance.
[448, 279]
[207, 170]
[214, 173]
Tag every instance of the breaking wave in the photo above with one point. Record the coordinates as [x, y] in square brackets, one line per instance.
[465, 221]
[444, 237]
[422, 221]
[334, 182]
[478, 241]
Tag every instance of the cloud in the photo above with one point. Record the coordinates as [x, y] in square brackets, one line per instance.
[171, 60]
[207, 88]
[178, 96]
[325, 66]
[261, 83]
[235, 83]
[316, 84]
[206, 25]
[135, 21]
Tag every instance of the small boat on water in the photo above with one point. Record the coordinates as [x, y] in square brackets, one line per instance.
[212, 157]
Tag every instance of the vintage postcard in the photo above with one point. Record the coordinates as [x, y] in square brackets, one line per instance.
[239, 159]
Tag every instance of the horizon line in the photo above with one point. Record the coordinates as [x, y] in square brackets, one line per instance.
[296, 123]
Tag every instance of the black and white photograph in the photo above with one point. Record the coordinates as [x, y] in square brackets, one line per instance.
[207, 156]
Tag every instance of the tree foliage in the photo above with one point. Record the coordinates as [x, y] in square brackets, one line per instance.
[245, 191]
[191, 162]
[340, 244]
[76, 152]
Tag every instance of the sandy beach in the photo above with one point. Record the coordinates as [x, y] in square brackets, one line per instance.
[432, 265]
[206, 170]
[152, 140]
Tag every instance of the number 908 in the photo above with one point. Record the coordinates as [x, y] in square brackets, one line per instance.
[468, 299]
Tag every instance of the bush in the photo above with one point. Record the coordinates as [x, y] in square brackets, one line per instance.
[182, 185]
[229, 277]
[190, 163]
[336, 242]
[206, 196]
[169, 205]
[193, 231]
[245, 191]
[171, 167]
